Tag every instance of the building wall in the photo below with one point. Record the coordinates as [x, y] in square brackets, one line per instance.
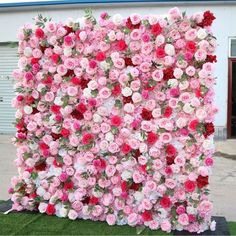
[224, 26]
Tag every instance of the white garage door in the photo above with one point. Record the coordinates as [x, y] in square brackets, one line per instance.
[8, 62]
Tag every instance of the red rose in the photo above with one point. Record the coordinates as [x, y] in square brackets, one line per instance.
[128, 61]
[20, 98]
[43, 146]
[68, 29]
[211, 58]
[202, 181]
[170, 150]
[156, 29]
[168, 73]
[189, 186]
[57, 163]
[170, 160]
[55, 58]
[127, 100]
[50, 209]
[116, 90]
[93, 200]
[124, 186]
[160, 53]
[87, 138]
[121, 45]
[208, 18]
[152, 138]
[65, 132]
[191, 46]
[125, 148]
[75, 80]
[116, 121]
[83, 83]
[167, 112]
[68, 185]
[48, 80]
[81, 108]
[146, 114]
[135, 186]
[198, 93]
[77, 115]
[146, 216]
[101, 56]
[165, 202]
[209, 129]
[40, 166]
[34, 60]
[39, 33]
[130, 25]
[55, 136]
[193, 125]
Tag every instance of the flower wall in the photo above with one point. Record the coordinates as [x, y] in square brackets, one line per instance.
[114, 119]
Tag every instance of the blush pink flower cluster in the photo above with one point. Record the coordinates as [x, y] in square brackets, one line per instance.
[114, 119]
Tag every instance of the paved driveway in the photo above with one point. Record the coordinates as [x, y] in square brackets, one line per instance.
[222, 182]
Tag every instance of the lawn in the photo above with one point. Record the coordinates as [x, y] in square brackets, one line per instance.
[41, 224]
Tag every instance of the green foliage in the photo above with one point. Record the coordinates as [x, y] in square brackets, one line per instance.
[89, 16]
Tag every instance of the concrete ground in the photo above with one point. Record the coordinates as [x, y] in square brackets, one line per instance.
[222, 181]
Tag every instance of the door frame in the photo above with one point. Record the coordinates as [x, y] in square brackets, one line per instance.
[229, 104]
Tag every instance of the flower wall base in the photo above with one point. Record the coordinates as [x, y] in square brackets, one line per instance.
[114, 119]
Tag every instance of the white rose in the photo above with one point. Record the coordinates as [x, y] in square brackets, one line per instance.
[96, 193]
[126, 91]
[87, 92]
[115, 55]
[58, 101]
[188, 108]
[183, 85]
[97, 118]
[201, 114]
[112, 35]
[40, 87]
[53, 199]
[162, 213]
[92, 84]
[139, 196]
[63, 212]
[191, 210]
[18, 114]
[126, 175]
[213, 226]
[28, 110]
[104, 65]
[160, 39]
[143, 147]
[109, 136]
[84, 62]
[117, 19]
[169, 49]
[81, 21]
[129, 108]
[70, 22]
[208, 144]
[152, 19]
[27, 51]
[201, 34]
[42, 207]
[67, 52]
[40, 191]
[172, 83]
[136, 97]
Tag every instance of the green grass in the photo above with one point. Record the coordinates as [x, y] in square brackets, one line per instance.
[41, 224]
[232, 228]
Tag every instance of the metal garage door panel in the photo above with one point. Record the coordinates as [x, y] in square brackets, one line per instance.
[8, 62]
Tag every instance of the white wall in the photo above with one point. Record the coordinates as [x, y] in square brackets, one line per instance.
[224, 26]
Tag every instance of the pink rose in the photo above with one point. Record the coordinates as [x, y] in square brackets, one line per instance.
[183, 219]
[111, 219]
